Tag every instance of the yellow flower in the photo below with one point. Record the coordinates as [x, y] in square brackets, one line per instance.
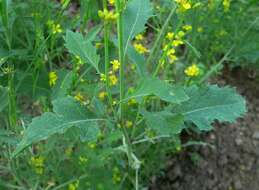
[73, 186]
[112, 2]
[115, 65]
[37, 161]
[170, 52]
[56, 28]
[226, 5]
[170, 35]
[113, 79]
[139, 37]
[102, 77]
[52, 78]
[102, 95]
[107, 15]
[79, 97]
[184, 5]
[180, 34]
[172, 58]
[177, 43]
[38, 164]
[192, 71]
[187, 27]
[129, 124]
[140, 48]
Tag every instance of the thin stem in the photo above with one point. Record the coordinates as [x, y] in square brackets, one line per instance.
[136, 180]
[106, 57]
[160, 37]
[121, 57]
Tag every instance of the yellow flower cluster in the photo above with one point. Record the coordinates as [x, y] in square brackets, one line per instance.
[226, 5]
[73, 186]
[55, 28]
[187, 27]
[112, 2]
[129, 124]
[115, 65]
[192, 71]
[38, 164]
[53, 77]
[173, 41]
[79, 97]
[102, 95]
[113, 80]
[139, 47]
[107, 15]
[184, 5]
[139, 37]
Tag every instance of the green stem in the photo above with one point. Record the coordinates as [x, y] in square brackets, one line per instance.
[106, 58]
[121, 56]
[136, 180]
[160, 37]
[119, 4]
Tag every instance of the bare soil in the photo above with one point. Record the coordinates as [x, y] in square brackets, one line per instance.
[234, 162]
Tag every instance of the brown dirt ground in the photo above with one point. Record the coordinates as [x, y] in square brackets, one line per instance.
[234, 162]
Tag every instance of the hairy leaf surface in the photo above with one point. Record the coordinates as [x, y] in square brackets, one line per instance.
[134, 18]
[165, 91]
[211, 103]
[77, 45]
[66, 113]
[164, 123]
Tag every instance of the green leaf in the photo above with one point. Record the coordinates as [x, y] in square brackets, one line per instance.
[211, 103]
[165, 91]
[3, 98]
[67, 113]
[63, 84]
[164, 123]
[134, 18]
[138, 60]
[77, 45]
[91, 35]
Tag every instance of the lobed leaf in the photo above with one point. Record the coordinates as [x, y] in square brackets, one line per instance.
[164, 122]
[209, 104]
[153, 86]
[67, 113]
[135, 17]
[77, 45]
